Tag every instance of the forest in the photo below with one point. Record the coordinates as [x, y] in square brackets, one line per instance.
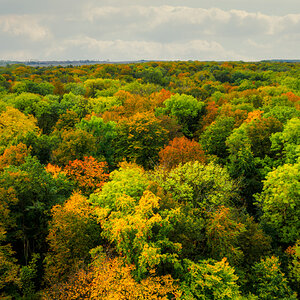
[154, 180]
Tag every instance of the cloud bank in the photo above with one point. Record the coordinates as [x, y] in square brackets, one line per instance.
[96, 30]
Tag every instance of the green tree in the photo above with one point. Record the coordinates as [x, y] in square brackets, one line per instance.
[104, 132]
[186, 109]
[209, 279]
[75, 144]
[214, 137]
[280, 202]
[129, 179]
[36, 191]
[294, 266]
[223, 231]
[153, 75]
[200, 186]
[287, 142]
[9, 268]
[269, 282]
[259, 132]
[77, 103]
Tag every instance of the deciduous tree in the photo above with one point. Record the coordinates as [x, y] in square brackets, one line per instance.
[88, 174]
[180, 150]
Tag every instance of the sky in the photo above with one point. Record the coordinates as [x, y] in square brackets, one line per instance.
[128, 30]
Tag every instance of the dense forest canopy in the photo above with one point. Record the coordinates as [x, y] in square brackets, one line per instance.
[154, 180]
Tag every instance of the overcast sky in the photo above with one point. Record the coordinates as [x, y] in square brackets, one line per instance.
[120, 30]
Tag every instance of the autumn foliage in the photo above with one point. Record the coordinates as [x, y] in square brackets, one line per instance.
[88, 174]
[180, 150]
[72, 233]
[108, 278]
[151, 180]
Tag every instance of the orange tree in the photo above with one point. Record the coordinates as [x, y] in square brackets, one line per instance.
[180, 150]
[14, 155]
[88, 174]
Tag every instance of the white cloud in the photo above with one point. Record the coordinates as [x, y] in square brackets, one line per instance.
[23, 25]
[23, 55]
[156, 15]
[130, 30]
[128, 50]
[150, 17]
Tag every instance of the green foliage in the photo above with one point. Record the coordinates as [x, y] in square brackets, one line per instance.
[67, 121]
[101, 87]
[209, 279]
[101, 104]
[140, 232]
[41, 145]
[214, 137]
[4, 85]
[167, 223]
[28, 277]
[292, 83]
[9, 268]
[129, 179]
[104, 134]
[25, 102]
[130, 218]
[259, 132]
[281, 113]
[43, 88]
[153, 75]
[223, 232]
[200, 186]
[294, 265]
[75, 144]
[75, 88]
[77, 103]
[269, 282]
[186, 109]
[287, 142]
[36, 191]
[280, 202]
[136, 87]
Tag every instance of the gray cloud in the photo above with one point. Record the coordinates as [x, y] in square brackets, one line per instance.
[23, 25]
[115, 30]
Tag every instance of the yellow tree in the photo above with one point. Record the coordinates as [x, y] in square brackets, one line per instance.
[73, 232]
[140, 138]
[15, 125]
[110, 279]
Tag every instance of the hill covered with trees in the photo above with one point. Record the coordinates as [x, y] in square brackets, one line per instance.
[155, 180]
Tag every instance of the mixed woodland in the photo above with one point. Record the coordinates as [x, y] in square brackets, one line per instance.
[155, 180]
